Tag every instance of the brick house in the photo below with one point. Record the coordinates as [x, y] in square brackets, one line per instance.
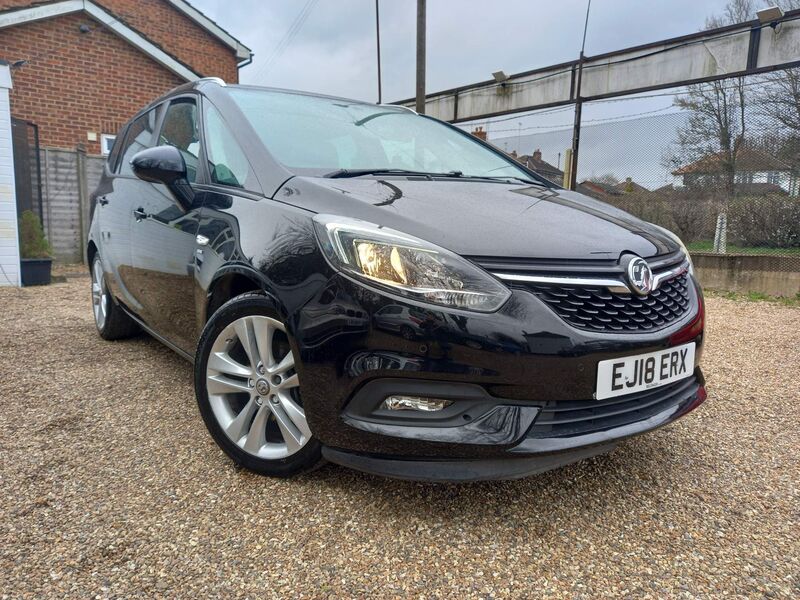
[542, 167]
[81, 68]
[756, 173]
[75, 71]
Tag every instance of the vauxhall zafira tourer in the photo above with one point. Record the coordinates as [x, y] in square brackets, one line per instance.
[365, 285]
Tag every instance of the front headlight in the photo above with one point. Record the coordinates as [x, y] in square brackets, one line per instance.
[407, 265]
[680, 243]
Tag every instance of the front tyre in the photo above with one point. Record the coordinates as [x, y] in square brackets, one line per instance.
[248, 390]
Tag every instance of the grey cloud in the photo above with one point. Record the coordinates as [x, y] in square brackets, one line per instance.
[467, 39]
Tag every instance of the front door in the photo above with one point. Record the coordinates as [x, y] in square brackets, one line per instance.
[164, 238]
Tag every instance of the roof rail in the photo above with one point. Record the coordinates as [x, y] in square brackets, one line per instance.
[411, 110]
[217, 80]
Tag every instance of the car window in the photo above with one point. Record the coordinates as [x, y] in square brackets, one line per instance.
[226, 160]
[139, 137]
[317, 135]
[179, 129]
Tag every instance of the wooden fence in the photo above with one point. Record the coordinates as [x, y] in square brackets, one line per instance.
[68, 178]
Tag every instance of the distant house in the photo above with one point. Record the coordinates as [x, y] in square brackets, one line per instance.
[629, 186]
[598, 190]
[757, 173]
[609, 191]
[480, 133]
[535, 163]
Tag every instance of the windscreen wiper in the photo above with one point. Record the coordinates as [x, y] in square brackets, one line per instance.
[507, 177]
[344, 173]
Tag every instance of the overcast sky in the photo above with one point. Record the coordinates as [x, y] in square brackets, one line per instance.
[334, 51]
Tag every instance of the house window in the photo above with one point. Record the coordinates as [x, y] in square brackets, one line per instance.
[107, 143]
[774, 177]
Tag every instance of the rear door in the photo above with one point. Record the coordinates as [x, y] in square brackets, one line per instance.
[163, 235]
[114, 204]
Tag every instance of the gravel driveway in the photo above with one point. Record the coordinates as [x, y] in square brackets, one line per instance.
[111, 487]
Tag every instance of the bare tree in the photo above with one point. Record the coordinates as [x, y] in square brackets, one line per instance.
[735, 11]
[607, 178]
[784, 4]
[779, 101]
[716, 124]
[716, 127]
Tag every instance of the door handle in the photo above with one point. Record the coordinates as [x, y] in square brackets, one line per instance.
[102, 200]
[139, 214]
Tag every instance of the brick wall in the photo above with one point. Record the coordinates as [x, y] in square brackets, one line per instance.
[173, 31]
[178, 35]
[78, 82]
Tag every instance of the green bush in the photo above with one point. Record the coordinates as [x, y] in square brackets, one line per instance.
[769, 221]
[691, 216]
[651, 209]
[32, 241]
[694, 218]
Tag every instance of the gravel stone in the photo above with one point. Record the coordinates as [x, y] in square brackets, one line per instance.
[110, 487]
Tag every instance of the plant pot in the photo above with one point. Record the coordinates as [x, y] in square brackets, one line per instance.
[35, 271]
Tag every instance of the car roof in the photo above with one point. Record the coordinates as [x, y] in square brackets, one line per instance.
[201, 85]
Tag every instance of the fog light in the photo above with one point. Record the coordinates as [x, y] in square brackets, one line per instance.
[415, 403]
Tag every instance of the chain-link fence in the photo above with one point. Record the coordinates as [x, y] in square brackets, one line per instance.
[718, 163]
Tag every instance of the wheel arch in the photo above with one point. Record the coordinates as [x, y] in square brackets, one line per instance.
[229, 283]
[91, 252]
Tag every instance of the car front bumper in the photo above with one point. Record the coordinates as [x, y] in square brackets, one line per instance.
[521, 381]
[544, 445]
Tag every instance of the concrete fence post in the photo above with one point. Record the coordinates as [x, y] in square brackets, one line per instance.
[46, 198]
[721, 234]
[83, 200]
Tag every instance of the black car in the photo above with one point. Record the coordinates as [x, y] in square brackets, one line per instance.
[277, 238]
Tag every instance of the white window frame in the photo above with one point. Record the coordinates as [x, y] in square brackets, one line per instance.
[107, 143]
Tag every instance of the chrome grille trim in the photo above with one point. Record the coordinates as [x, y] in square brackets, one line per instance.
[601, 300]
[596, 309]
[659, 278]
[613, 284]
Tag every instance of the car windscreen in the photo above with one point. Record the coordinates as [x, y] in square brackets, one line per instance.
[315, 136]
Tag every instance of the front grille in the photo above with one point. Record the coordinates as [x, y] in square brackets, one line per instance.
[582, 417]
[598, 309]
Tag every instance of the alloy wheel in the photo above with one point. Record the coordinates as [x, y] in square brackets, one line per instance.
[99, 294]
[253, 388]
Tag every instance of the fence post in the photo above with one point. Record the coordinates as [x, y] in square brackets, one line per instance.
[567, 168]
[49, 211]
[83, 199]
[721, 234]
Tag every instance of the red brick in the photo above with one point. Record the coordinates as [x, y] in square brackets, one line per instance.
[173, 31]
[77, 82]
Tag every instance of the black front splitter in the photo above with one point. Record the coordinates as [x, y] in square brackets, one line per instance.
[455, 470]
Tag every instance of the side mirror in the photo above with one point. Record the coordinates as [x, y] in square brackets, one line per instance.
[165, 164]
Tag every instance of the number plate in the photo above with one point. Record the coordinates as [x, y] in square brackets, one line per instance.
[631, 374]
